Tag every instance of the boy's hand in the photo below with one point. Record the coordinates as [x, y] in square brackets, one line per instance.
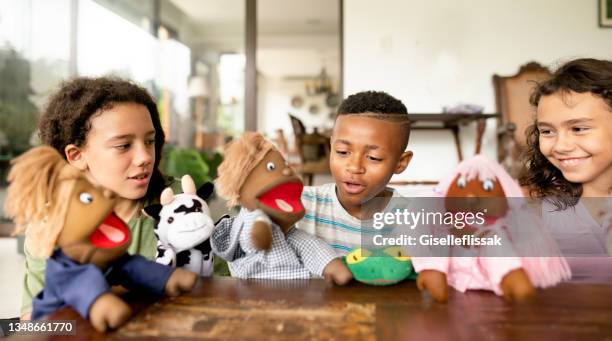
[433, 282]
[517, 287]
[108, 312]
[261, 235]
[180, 281]
[337, 272]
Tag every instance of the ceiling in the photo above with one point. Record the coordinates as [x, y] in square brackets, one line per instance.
[305, 16]
[294, 37]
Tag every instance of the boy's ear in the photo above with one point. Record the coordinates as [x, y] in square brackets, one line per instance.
[75, 157]
[403, 162]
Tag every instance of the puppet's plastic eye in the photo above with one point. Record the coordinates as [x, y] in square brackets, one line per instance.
[397, 253]
[487, 185]
[357, 256]
[170, 220]
[85, 198]
[461, 182]
[270, 166]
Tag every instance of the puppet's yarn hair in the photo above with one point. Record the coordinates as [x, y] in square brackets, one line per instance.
[241, 156]
[482, 168]
[38, 195]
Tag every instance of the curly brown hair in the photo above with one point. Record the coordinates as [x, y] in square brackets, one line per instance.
[67, 117]
[541, 177]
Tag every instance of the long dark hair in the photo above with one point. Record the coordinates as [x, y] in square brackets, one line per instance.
[67, 118]
[542, 178]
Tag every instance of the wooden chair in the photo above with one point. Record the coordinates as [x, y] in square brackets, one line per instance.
[290, 154]
[313, 151]
[516, 113]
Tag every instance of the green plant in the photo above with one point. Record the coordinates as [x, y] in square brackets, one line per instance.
[18, 114]
[213, 160]
[201, 166]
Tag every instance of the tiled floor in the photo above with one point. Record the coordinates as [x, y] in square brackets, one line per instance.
[11, 278]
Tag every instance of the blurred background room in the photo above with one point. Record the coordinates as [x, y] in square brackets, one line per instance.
[217, 68]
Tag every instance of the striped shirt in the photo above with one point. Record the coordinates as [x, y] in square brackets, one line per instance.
[327, 219]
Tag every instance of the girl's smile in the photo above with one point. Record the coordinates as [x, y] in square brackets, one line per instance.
[572, 163]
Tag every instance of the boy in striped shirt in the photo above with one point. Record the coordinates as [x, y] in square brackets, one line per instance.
[368, 146]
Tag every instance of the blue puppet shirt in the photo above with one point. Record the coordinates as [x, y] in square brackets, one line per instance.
[68, 283]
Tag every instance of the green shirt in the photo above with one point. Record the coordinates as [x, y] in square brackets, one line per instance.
[143, 243]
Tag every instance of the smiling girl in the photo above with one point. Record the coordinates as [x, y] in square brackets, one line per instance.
[569, 162]
[110, 129]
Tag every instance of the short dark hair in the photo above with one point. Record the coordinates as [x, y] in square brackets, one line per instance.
[67, 117]
[543, 179]
[378, 102]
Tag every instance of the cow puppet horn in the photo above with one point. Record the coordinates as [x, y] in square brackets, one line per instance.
[188, 184]
[167, 196]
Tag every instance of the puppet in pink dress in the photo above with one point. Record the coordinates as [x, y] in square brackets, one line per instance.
[480, 185]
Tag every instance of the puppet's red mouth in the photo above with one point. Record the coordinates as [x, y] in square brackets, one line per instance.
[285, 197]
[111, 233]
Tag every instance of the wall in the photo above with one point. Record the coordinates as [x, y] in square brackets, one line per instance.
[435, 53]
[284, 65]
[274, 107]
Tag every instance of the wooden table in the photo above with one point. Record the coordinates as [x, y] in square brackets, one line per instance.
[452, 123]
[300, 310]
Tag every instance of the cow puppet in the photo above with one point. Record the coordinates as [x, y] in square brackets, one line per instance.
[183, 226]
